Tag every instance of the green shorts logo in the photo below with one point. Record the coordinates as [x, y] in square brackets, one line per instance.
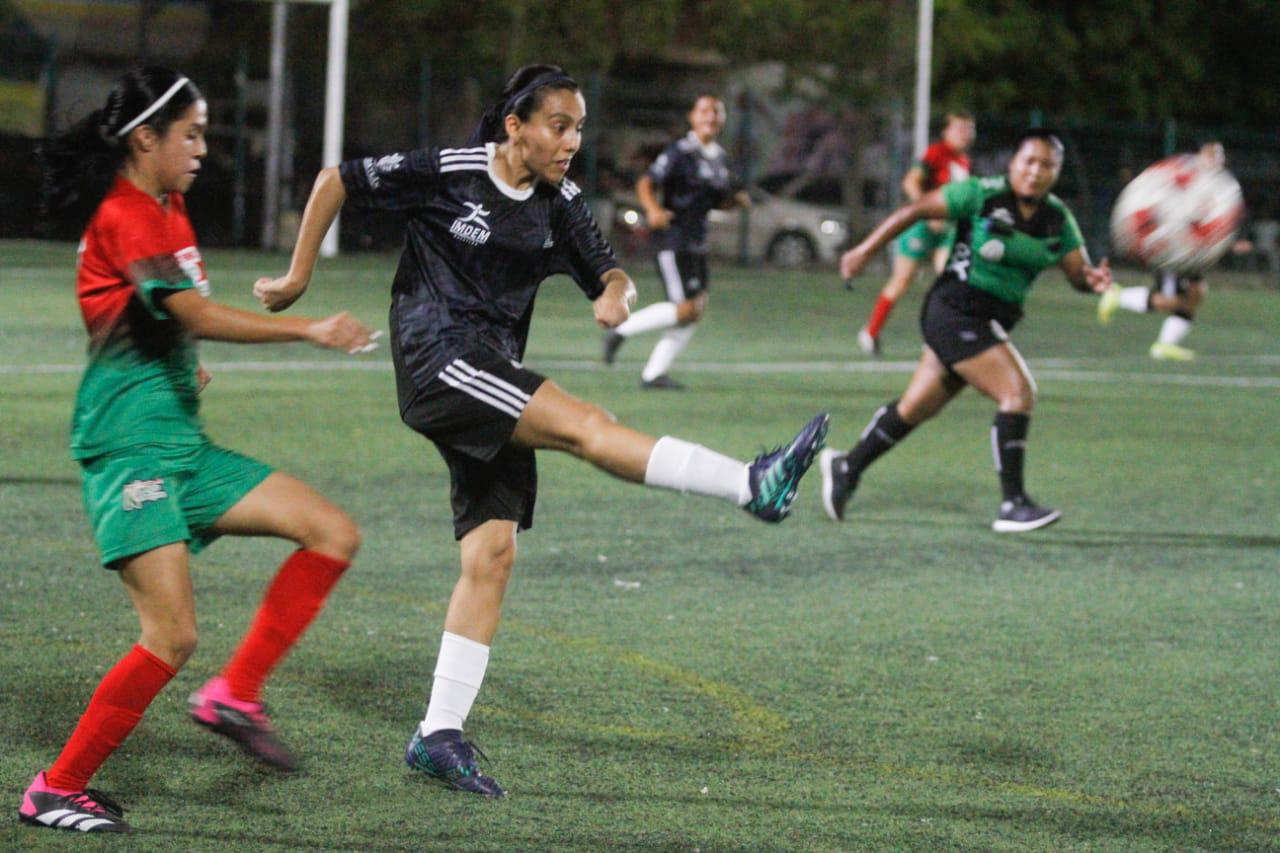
[141, 491]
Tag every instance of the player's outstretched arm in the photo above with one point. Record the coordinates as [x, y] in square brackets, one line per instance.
[929, 206]
[327, 197]
[657, 216]
[613, 306]
[212, 321]
[1082, 275]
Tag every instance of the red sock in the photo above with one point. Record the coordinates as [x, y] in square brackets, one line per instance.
[879, 315]
[116, 707]
[293, 599]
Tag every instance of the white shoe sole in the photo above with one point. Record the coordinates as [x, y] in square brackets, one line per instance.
[826, 459]
[1000, 525]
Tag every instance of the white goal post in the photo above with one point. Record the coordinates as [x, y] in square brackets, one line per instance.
[335, 93]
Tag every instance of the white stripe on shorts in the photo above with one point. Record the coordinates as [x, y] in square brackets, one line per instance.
[671, 275]
[486, 387]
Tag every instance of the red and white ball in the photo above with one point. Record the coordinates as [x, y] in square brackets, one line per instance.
[1179, 214]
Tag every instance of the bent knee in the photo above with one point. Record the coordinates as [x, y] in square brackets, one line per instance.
[690, 311]
[593, 431]
[490, 564]
[1019, 402]
[174, 644]
[334, 534]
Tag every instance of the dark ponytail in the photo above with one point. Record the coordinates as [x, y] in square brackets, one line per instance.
[523, 96]
[79, 164]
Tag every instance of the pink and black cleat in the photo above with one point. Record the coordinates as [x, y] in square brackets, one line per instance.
[56, 808]
[244, 723]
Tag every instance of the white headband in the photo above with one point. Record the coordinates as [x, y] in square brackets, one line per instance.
[159, 102]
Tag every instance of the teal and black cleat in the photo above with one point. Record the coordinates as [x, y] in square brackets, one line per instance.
[775, 476]
[445, 756]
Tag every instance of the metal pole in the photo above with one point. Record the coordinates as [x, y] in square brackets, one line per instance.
[275, 124]
[241, 152]
[51, 88]
[424, 101]
[590, 156]
[746, 152]
[924, 65]
[1170, 137]
[335, 93]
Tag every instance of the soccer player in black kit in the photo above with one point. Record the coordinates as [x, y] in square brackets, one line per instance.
[487, 223]
[694, 176]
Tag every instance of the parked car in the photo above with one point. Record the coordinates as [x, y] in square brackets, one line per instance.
[781, 231]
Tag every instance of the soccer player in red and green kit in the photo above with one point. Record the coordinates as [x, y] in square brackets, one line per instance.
[942, 162]
[156, 489]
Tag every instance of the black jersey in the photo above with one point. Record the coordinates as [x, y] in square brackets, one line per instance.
[476, 249]
[694, 178]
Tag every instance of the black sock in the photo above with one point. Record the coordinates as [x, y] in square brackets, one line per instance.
[885, 430]
[1009, 447]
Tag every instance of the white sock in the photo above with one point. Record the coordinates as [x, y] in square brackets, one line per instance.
[1175, 328]
[670, 345]
[686, 467]
[1135, 299]
[651, 318]
[459, 673]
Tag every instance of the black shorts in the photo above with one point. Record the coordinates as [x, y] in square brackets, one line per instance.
[469, 410]
[684, 274]
[1175, 284]
[958, 326]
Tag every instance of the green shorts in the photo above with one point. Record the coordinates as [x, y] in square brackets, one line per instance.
[144, 497]
[919, 242]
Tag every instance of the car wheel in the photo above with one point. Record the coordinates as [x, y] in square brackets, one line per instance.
[791, 249]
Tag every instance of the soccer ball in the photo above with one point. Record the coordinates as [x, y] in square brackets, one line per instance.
[1180, 214]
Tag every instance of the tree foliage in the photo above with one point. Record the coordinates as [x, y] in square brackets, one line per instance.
[1210, 61]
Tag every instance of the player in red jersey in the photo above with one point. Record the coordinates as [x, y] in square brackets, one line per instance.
[943, 161]
[155, 487]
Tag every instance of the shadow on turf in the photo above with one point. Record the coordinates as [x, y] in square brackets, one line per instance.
[1114, 538]
[40, 481]
[1103, 825]
[1085, 538]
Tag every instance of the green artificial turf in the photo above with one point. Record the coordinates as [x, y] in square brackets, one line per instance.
[670, 673]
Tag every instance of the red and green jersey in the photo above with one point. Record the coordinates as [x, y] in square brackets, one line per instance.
[942, 165]
[140, 384]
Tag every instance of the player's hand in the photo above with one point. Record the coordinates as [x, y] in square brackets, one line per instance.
[613, 307]
[742, 198]
[852, 262]
[658, 218]
[1098, 278]
[203, 378]
[277, 294]
[343, 332]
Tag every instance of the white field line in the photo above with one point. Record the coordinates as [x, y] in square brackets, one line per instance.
[1060, 369]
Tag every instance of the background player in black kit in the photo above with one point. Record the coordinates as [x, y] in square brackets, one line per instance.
[1177, 294]
[487, 224]
[694, 177]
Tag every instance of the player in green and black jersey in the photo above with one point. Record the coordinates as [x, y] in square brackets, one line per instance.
[1008, 230]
